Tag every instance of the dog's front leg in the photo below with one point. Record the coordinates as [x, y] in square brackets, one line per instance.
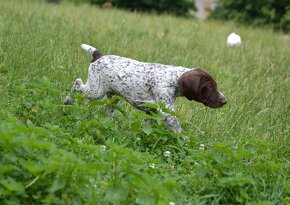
[170, 120]
[165, 96]
[172, 123]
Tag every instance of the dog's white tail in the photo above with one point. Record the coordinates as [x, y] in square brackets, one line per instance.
[93, 51]
[88, 48]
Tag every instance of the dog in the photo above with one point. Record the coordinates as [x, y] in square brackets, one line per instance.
[140, 82]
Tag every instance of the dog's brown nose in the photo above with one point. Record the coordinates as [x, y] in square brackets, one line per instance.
[223, 100]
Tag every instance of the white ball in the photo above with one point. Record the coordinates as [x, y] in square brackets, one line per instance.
[234, 40]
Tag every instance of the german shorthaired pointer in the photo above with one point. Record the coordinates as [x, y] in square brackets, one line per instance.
[140, 83]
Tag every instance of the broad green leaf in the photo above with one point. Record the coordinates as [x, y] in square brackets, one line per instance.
[150, 105]
[159, 118]
[11, 185]
[147, 129]
[116, 195]
[145, 199]
[8, 168]
[142, 116]
[136, 126]
[58, 184]
[200, 171]
[32, 166]
[222, 145]
[166, 110]
[263, 144]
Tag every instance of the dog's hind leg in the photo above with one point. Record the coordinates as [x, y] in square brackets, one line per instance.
[93, 88]
[78, 86]
[111, 108]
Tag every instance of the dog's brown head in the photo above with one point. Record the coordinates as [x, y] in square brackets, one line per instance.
[198, 85]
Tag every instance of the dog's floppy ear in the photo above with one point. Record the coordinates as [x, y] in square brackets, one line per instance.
[188, 84]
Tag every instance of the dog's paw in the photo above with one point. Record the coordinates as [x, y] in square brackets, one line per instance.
[78, 82]
[77, 85]
[68, 100]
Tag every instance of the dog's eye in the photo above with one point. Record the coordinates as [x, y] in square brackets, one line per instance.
[210, 86]
[204, 89]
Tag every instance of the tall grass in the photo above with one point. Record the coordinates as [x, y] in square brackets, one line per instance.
[40, 41]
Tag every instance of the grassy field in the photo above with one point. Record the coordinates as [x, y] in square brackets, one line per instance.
[56, 154]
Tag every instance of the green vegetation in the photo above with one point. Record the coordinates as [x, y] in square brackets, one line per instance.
[275, 14]
[179, 8]
[56, 154]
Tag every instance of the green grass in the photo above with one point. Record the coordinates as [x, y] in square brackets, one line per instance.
[51, 153]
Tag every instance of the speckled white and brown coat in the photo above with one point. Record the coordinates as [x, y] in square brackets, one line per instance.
[140, 83]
